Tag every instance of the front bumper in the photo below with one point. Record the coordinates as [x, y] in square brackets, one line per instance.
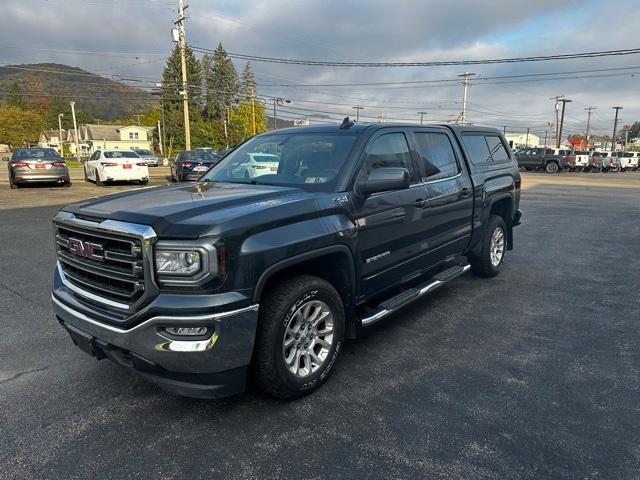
[212, 367]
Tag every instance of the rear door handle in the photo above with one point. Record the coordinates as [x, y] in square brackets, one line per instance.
[420, 203]
[465, 192]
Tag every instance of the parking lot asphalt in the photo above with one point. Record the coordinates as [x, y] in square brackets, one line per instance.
[533, 374]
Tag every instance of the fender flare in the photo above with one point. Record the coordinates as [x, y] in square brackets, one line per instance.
[303, 257]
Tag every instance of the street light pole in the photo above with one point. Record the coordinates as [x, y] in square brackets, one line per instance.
[422, 114]
[358, 108]
[60, 146]
[586, 135]
[278, 101]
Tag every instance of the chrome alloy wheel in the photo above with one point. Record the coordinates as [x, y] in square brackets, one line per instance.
[496, 250]
[308, 338]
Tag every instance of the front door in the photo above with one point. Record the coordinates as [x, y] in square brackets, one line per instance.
[390, 224]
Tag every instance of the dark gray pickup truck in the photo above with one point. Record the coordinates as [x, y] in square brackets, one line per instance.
[204, 286]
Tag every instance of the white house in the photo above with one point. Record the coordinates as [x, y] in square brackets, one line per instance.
[119, 137]
[51, 139]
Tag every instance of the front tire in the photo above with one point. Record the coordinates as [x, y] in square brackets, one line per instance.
[300, 335]
[494, 245]
[551, 167]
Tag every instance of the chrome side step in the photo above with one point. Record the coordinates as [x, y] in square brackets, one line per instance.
[405, 298]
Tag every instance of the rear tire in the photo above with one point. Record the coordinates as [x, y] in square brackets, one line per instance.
[99, 182]
[494, 246]
[12, 185]
[290, 334]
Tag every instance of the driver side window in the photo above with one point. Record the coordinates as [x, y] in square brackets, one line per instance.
[388, 150]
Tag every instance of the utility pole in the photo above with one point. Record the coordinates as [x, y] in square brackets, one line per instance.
[75, 129]
[564, 103]
[226, 134]
[185, 86]
[615, 127]
[465, 83]
[586, 135]
[160, 139]
[504, 130]
[358, 108]
[138, 117]
[60, 146]
[526, 142]
[557, 109]
[422, 114]
[546, 133]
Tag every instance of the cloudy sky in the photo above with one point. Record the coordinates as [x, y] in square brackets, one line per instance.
[129, 38]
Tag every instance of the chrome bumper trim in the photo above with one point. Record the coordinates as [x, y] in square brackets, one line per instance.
[161, 318]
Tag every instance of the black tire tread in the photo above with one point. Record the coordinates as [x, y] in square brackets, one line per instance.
[481, 265]
[272, 305]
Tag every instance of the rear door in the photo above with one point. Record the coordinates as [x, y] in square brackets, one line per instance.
[449, 193]
[391, 224]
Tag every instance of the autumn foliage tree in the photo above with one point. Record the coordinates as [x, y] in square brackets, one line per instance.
[19, 126]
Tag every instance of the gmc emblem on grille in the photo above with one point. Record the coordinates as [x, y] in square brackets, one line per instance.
[89, 250]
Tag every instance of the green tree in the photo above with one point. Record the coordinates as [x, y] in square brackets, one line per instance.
[171, 100]
[18, 126]
[241, 124]
[15, 97]
[222, 85]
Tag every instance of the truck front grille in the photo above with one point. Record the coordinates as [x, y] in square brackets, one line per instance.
[106, 265]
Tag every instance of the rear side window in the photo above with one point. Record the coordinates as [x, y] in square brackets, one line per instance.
[478, 149]
[388, 150]
[436, 149]
[496, 147]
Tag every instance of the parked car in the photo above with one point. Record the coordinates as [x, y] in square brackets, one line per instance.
[192, 164]
[578, 160]
[549, 159]
[116, 165]
[196, 287]
[149, 158]
[257, 164]
[604, 162]
[36, 165]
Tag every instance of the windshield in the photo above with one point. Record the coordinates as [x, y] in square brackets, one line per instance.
[295, 159]
[197, 156]
[121, 154]
[144, 152]
[35, 153]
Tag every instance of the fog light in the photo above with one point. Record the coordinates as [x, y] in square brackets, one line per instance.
[186, 331]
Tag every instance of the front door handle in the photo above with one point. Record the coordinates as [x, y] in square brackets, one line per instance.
[420, 203]
[465, 192]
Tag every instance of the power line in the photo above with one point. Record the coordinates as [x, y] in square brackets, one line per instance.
[540, 58]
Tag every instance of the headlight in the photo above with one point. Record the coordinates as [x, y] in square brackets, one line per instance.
[176, 262]
[185, 263]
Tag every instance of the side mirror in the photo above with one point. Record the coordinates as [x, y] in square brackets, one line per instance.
[384, 179]
[5, 159]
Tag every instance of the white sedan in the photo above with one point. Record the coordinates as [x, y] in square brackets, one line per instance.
[116, 165]
[258, 164]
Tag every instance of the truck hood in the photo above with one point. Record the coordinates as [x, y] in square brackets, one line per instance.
[192, 209]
